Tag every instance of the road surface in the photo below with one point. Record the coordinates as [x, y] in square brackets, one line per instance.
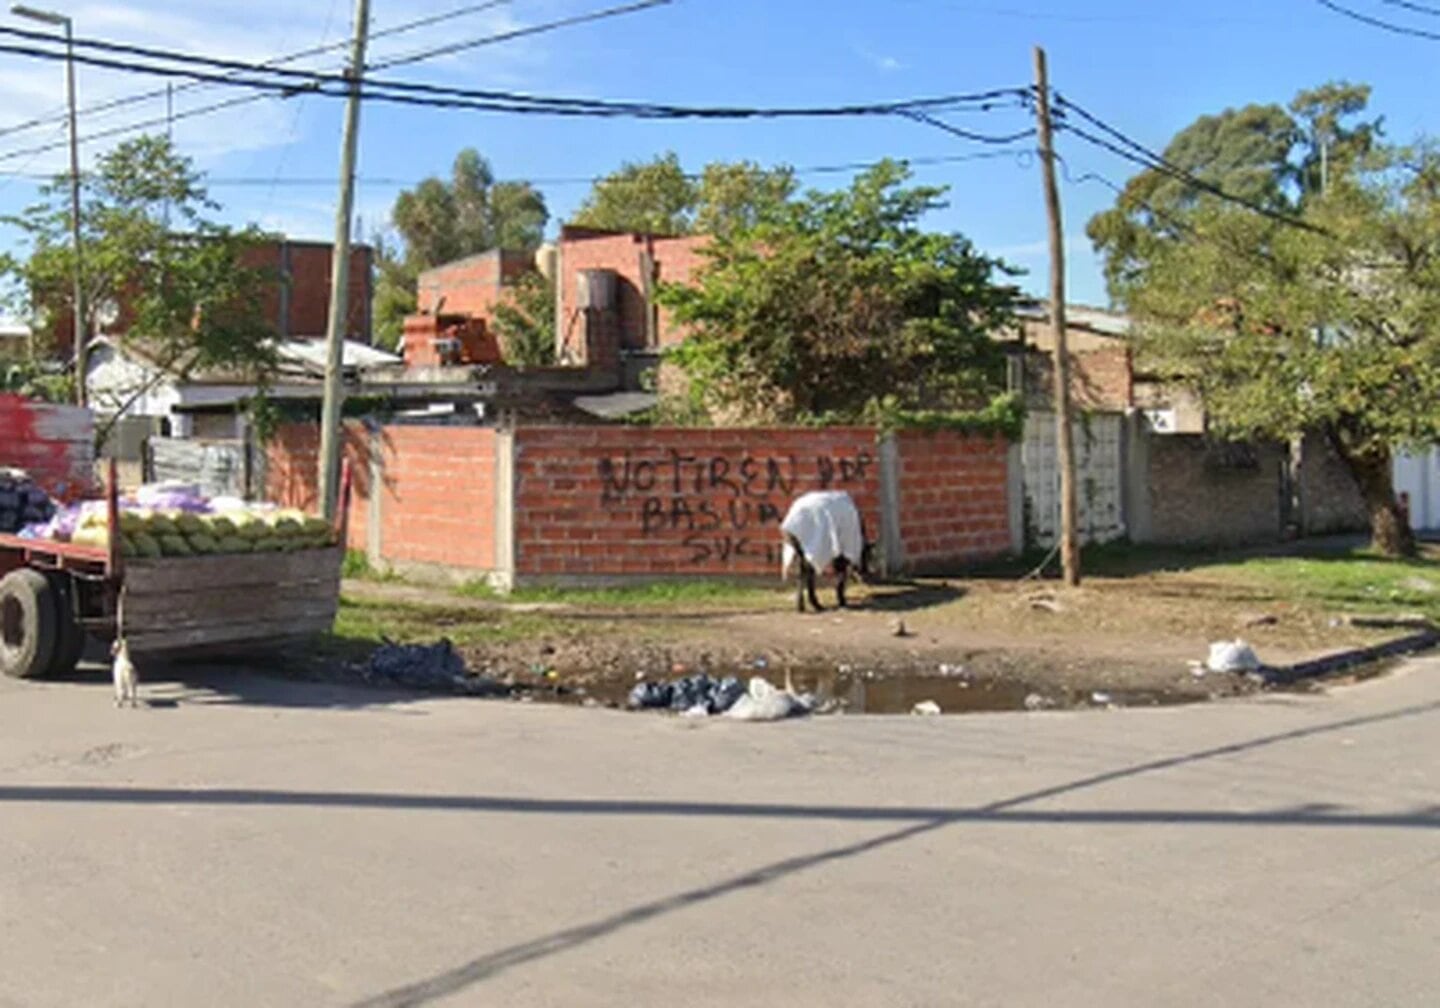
[262, 842]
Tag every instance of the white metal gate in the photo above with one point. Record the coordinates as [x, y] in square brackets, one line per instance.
[1418, 477]
[1099, 486]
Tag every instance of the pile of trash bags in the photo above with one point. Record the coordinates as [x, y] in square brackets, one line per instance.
[22, 501]
[435, 666]
[702, 695]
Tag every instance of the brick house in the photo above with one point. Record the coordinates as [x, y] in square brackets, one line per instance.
[295, 301]
[606, 317]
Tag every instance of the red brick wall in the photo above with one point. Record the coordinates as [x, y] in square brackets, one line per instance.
[1100, 379]
[438, 501]
[309, 287]
[478, 344]
[676, 260]
[471, 286]
[292, 473]
[605, 501]
[953, 504]
[52, 443]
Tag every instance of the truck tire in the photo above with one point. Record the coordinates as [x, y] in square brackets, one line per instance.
[69, 635]
[27, 624]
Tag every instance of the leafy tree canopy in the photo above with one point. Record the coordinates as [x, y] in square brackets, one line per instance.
[525, 322]
[149, 248]
[658, 197]
[840, 306]
[1266, 154]
[439, 221]
[1331, 327]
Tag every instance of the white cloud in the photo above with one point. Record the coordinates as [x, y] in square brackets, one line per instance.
[245, 31]
[880, 61]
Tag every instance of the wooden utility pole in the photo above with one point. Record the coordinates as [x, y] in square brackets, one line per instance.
[1064, 432]
[330, 432]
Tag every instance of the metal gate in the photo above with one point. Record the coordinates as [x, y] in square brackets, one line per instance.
[221, 468]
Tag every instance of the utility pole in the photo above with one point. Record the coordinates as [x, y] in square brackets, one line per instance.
[81, 336]
[330, 432]
[1064, 432]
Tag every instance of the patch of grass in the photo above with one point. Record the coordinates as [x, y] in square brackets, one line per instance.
[654, 594]
[357, 565]
[367, 621]
[1357, 580]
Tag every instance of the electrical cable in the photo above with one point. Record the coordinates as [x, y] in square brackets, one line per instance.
[462, 46]
[1380, 23]
[127, 100]
[1142, 155]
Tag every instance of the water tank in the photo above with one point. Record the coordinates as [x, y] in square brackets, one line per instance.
[595, 288]
[547, 256]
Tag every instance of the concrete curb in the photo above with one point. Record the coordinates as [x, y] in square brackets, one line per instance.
[1288, 675]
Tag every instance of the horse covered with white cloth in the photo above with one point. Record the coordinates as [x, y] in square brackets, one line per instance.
[823, 529]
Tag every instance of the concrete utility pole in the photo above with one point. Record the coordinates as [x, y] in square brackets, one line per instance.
[1064, 432]
[330, 432]
[80, 336]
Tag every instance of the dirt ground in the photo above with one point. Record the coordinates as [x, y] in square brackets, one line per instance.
[967, 645]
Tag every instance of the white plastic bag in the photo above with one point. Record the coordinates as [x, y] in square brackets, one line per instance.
[1232, 656]
[763, 702]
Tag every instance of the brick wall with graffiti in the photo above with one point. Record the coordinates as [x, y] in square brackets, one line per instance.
[676, 501]
[543, 503]
[53, 443]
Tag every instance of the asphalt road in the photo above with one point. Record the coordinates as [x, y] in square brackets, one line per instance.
[264, 843]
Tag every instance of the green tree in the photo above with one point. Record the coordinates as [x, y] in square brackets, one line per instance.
[1261, 153]
[658, 197]
[1332, 327]
[738, 195]
[525, 322]
[189, 300]
[655, 197]
[439, 221]
[838, 305]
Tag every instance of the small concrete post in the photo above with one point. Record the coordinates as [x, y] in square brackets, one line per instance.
[1015, 496]
[892, 543]
[375, 508]
[503, 576]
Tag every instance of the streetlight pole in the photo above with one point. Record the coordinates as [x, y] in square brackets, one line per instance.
[79, 336]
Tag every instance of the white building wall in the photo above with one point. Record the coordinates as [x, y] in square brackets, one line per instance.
[1418, 476]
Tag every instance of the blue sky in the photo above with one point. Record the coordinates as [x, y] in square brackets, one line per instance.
[1147, 66]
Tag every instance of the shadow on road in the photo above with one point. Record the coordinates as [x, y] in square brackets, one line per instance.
[919, 820]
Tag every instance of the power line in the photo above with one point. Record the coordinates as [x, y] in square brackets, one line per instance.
[1380, 23]
[127, 100]
[1410, 5]
[1142, 155]
[455, 47]
[295, 82]
[965, 134]
[241, 181]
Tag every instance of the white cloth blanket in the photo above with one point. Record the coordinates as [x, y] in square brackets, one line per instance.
[826, 524]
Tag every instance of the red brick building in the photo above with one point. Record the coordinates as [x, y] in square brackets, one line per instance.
[605, 308]
[608, 280]
[455, 309]
[296, 299]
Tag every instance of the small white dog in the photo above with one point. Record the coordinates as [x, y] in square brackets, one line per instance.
[127, 680]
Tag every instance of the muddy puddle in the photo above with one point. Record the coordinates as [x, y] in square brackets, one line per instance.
[892, 692]
[953, 690]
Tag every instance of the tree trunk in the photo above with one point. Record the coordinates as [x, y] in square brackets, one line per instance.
[1390, 532]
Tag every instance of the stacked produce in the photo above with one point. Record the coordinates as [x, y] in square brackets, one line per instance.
[169, 520]
[22, 502]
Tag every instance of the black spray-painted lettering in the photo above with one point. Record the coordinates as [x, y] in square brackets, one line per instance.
[720, 507]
